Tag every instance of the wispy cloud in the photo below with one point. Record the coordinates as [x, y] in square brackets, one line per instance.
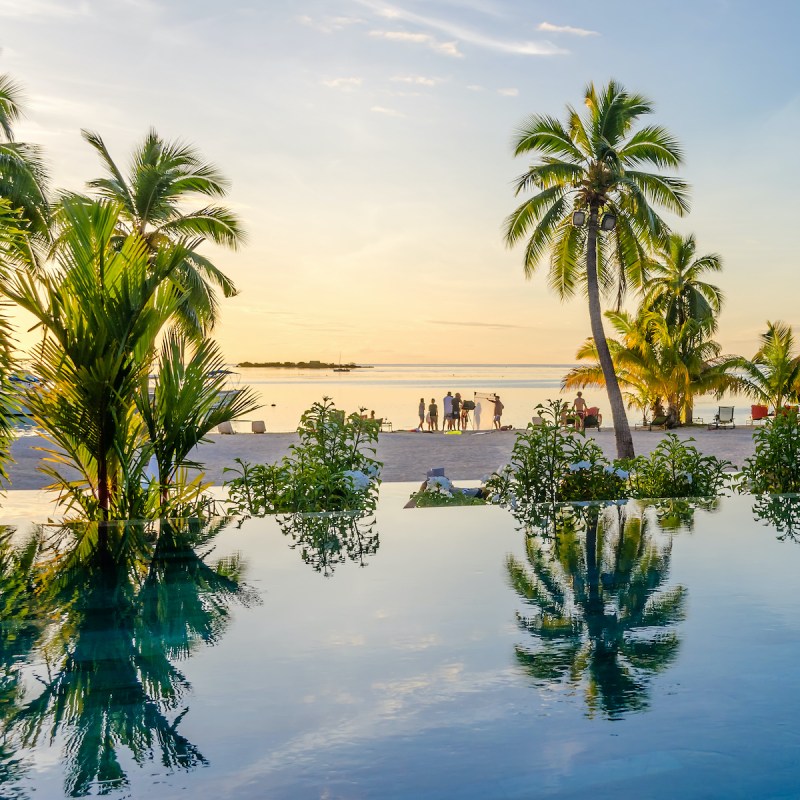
[462, 34]
[509, 91]
[327, 24]
[416, 80]
[474, 87]
[548, 27]
[345, 84]
[445, 48]
[474, 324]
[389, 112]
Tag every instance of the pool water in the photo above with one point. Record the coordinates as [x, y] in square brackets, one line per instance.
[641, 651]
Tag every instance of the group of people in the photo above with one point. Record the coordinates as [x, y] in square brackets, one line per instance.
[455, 413]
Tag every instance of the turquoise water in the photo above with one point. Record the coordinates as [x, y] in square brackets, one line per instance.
[643, 652]
[393, 391]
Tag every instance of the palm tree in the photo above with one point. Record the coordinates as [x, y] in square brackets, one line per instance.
[162, 177]
[653, 360]
[592, 164]
[773, 374]
[597, 600]
[674, 287]
[23, 175]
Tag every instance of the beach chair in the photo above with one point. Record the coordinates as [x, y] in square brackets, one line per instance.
[660, 421]
[722, 419]
[593, 418]
[758, 413]
[385, 424]
[225, 428]
[258, 426]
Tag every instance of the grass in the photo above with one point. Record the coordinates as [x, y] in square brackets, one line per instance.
[433, 500]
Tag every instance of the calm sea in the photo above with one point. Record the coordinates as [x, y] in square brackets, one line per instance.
[393, 391]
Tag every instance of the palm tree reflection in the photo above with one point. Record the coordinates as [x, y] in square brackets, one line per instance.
[600, 613]
[125, 603]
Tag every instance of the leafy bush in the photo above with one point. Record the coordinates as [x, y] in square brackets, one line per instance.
[676, 469]
[550, 464]
[774, 468]
[331, 469]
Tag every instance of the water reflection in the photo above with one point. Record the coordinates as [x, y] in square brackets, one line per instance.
[115, 606]
[600, 613]
[782, 512]
[326, 540]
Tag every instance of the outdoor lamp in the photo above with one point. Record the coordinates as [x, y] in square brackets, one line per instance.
[608, 222]
[578, 218]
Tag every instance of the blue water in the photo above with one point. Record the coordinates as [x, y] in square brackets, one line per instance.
[403, 656]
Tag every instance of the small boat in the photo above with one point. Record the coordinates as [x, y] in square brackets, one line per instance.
[340, 368]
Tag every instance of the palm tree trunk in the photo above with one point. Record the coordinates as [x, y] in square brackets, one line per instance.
[622, 430]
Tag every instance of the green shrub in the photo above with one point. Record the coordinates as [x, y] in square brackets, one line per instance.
[676, 469]
[774, 468]
[550, 464]
[331, 469]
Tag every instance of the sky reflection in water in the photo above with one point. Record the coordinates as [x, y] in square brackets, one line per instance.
[422, 653]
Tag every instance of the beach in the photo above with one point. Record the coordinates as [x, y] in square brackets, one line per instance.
[406, 456]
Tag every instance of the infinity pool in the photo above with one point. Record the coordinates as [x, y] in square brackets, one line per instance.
[640, 651]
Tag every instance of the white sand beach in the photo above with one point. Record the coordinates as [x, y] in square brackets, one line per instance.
[406, 456]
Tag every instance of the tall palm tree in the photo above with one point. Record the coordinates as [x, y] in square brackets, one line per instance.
[592, 164]
[773, 374]
[675, 288]
[162, 177]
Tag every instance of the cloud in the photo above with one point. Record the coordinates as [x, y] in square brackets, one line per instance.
[475, 324]
[461, 34]
[40, 8]
[389, 112]
[416, 80]
[508, 92]
[474, 87]
[550, 28]
[445, 48]
[327, 24]
[345, 84]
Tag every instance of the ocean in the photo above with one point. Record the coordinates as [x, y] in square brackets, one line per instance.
[393, 391]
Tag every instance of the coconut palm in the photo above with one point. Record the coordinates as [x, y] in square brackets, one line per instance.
[772, 376]
[598, 607]
[162, 177]
[674, 287]
[592, 164]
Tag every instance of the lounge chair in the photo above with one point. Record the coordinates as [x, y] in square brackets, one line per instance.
[723, 419]
[758, 414]
[385, 425]
[593, 418]
[660, 421]
[258, 426]
[225, 428]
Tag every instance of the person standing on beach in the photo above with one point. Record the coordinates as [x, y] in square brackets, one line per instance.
[498, 411]
[421, 414]
[433, 416]
[476, 415]
[447, 405]
[455, 422]
[579, 404]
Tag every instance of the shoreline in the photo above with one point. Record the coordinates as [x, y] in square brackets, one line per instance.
[406, 456]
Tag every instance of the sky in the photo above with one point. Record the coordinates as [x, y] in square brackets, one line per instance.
[368, 145]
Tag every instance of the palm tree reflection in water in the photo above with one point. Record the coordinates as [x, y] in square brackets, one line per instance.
[600, 612]
[126, 602]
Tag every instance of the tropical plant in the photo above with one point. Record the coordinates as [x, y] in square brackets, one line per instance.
[550, 464]
[774, 467]
[187, 400]
[598, 607]
[676, 468]
[24, 181]
[654, 360]
[332, 468]
[592, 164]
[674, 288]
[163, 176]
[772, 376]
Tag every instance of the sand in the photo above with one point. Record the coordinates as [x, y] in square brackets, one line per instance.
[406, 456]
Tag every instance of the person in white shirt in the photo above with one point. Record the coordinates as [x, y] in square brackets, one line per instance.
[447, 415]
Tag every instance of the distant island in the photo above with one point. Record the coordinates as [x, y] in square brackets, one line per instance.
[302, 365]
